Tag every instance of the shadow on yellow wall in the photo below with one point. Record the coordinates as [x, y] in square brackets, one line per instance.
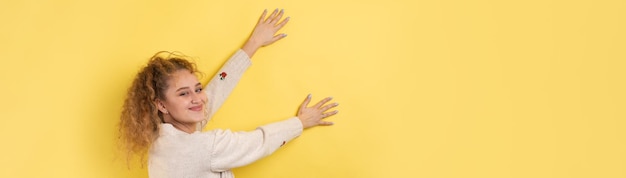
[427, 88]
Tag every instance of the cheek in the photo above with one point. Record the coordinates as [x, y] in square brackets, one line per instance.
[176, 104]
[203, 96]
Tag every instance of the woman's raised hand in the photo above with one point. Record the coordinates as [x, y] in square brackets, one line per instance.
[312, 116]
[264, 32]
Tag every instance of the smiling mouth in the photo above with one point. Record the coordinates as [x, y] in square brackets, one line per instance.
[196, 108]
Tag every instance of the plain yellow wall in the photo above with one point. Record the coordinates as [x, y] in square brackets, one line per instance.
[446, 88]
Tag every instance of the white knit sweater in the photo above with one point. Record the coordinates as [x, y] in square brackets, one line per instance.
[177, 154]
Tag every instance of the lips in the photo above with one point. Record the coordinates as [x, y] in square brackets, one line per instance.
[196, 108]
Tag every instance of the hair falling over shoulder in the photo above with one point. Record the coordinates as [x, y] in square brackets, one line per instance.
[140, 118]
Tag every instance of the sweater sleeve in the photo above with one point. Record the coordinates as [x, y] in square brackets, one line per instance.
[236, 149]
[223, 83]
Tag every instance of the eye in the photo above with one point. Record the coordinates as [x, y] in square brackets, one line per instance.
[183, 94]
[198, 90]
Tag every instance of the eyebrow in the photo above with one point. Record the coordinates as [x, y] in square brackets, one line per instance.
[188, 87]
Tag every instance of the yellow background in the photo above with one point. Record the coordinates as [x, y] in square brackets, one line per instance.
[445, 88]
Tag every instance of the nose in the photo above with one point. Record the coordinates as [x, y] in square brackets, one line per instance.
[196, 98]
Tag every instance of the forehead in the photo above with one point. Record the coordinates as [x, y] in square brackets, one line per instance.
[182, 78]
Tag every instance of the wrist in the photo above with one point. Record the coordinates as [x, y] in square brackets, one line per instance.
[250, 47]
[304, 125]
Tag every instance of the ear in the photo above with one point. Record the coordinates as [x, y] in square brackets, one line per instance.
[160, 106]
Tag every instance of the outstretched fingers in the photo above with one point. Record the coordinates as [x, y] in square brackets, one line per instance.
[277, 37]
[328, 114]
[323, 102]
[278, 16]
[329, 106]
[314, 115]
[281, 24]
[271, 17]
[262, 18]
[325, 123]
[325, 115]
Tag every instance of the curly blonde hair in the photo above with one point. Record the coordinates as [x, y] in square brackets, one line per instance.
[140, 118]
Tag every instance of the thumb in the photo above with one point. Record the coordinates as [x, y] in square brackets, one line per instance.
[276, 38]
[305, 103]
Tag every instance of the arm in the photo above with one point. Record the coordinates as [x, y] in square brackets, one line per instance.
[236, 149]
[222, 84]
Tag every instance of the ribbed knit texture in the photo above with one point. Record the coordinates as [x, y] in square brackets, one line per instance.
[176, 154]
[219, 88]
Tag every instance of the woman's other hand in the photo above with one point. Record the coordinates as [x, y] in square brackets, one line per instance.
[264, 32]
[312, 116]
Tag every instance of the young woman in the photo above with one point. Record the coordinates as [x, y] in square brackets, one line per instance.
[166, 109]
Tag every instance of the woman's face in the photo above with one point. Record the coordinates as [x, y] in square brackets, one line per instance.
[184, 99]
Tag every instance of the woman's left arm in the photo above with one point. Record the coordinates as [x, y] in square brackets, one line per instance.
[222, 84]
[234, 149]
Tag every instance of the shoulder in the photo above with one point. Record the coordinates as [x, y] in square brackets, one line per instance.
[169, 133]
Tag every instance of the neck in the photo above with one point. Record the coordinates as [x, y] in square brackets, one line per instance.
[185, 127]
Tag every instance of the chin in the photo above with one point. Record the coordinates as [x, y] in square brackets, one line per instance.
[196, 119]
